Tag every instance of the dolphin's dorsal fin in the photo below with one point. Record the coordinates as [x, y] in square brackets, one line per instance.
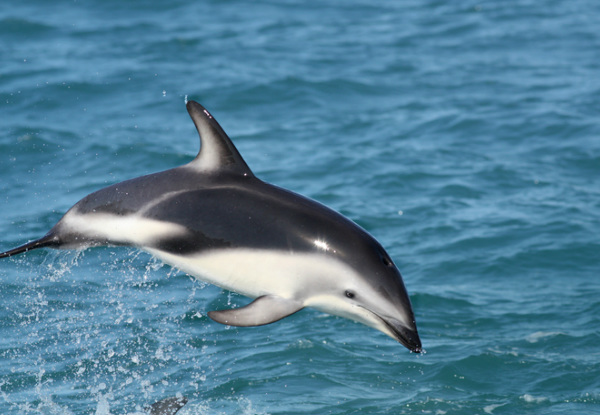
[217, 152]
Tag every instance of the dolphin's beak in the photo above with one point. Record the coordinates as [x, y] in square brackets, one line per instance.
[408, 337]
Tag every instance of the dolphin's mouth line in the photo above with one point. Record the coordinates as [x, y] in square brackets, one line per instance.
[411, 344]
[402, 338]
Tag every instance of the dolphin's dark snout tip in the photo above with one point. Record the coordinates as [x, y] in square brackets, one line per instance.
[408, 337]
[417, 349]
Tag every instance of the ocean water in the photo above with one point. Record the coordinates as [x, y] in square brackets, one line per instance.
[465, 136]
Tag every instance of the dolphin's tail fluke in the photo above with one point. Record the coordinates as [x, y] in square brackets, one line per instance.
[49, 240]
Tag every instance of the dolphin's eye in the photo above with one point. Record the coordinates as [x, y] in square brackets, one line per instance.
[350, 294]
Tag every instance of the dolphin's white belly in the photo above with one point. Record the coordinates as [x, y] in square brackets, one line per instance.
[258, 272]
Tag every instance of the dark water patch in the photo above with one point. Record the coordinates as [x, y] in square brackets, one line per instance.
[16, 29]
[459, 191]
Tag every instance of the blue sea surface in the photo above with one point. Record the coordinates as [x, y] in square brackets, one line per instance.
[465, 136]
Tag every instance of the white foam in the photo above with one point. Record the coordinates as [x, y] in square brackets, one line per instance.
[535, 337]
[489, 409]
[533, 399]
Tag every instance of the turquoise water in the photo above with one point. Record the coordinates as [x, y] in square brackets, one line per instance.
[465, 136]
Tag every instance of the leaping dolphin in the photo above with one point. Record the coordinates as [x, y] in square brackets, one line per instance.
[214, 219]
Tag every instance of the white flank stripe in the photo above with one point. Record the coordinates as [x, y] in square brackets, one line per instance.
[130, 229]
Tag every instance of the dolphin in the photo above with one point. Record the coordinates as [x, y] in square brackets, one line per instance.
[214, 219]
[169, 406]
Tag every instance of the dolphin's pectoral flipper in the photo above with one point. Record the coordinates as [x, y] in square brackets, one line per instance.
[264, 310]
